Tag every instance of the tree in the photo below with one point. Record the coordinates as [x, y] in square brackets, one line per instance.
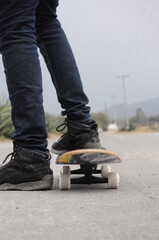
[140, 118]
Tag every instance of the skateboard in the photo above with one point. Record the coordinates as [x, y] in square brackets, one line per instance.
[89, 161]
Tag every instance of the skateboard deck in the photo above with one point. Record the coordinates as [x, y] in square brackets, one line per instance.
[88, 156]
[88, 160]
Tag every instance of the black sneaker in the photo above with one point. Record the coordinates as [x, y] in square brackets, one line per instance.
[26, 170]
[78, 136]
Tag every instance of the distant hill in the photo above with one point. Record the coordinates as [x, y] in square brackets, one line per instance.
[150, 108]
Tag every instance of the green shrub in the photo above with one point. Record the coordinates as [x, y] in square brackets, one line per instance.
[52, 122]
[101, 119]
[6, 126]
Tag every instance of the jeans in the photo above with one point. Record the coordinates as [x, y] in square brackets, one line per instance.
[24, 25]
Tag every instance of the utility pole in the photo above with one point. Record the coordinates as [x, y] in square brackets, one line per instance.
[123, 77]
[114, 107]
[105, 108]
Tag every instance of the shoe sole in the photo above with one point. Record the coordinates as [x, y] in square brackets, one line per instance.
[45, 184]
[59, 152]
[88, 146]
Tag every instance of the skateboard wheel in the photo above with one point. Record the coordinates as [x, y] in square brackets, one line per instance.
[66, 170]
[113, 180]
[105, 170]
[64, 181]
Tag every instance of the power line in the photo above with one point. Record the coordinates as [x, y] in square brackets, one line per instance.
[138, 50]
[131, 50]
[115, 111]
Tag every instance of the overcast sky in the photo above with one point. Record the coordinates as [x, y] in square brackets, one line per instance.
[109, 38]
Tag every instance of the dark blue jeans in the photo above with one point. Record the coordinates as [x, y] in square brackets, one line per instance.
[24, 24]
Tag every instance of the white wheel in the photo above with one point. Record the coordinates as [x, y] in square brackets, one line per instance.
[66, 170]
[113, 180]
[64, 181]
[105, 170]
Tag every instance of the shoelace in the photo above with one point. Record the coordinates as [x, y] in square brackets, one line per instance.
[12, 154]
[49, 158]
[61, 127]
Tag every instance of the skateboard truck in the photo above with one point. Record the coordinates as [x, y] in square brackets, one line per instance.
[88, 171]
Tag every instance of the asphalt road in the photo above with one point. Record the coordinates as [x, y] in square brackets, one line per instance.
[91, 212]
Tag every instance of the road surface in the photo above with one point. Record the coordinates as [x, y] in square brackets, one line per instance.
[91, 212]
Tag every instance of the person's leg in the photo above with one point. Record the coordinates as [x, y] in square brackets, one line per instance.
[30, 159]
[55, 48]
[23, 73]
[61, 63]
